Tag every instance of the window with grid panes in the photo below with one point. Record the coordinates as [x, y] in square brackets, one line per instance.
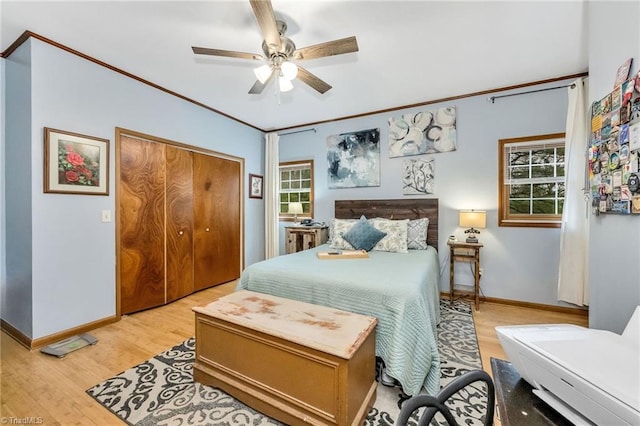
[296, 185]
[531, 181]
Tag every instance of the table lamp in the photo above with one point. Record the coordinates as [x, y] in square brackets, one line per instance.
[473, 219]
[295, 209]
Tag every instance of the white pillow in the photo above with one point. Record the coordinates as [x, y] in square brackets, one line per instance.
[337, 228]
[396, 238]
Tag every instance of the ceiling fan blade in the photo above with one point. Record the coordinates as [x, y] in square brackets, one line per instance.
[258, 87]
[267, 21]
[330, 48]
[313, 81]
[227, 53]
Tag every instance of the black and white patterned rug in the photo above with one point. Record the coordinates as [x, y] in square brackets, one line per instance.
[161, 390]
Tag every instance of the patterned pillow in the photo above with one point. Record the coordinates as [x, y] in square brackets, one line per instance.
[363, 236]
[332, 225]
[396, 239]
[417, 234]
[340, 227]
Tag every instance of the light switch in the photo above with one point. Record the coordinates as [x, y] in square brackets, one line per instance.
[106, 216]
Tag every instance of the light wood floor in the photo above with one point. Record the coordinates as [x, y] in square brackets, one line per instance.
[53, 390]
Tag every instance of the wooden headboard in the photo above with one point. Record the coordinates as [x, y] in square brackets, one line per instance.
[415, 208]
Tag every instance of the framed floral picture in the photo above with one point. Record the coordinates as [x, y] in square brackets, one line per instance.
[255, 186]
[75, 163]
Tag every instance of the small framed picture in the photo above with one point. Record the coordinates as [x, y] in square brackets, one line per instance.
[75, 163]
[255, 186]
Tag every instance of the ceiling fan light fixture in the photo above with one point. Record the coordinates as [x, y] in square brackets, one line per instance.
[263, 73]
[285, 85]
[279, 50]
[289, 70]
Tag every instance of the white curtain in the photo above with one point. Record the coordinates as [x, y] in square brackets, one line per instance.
[573, 278]
[271, 189]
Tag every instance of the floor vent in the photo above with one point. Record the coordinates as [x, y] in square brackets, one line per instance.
[63, 347]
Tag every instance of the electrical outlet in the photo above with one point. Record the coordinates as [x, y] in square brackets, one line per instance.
[481, 271]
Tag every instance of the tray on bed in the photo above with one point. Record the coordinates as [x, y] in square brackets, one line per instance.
[355, 254]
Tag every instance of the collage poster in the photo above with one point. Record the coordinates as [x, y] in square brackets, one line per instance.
[614, 147]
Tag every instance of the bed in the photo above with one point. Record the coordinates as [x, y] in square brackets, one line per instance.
[400, 289]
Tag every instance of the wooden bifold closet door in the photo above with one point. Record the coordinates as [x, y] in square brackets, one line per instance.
[179, 222]
[216, 191]
[141, 220]
[179, 219]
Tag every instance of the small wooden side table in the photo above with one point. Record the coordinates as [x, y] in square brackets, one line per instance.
[465, 252]
[302, 237]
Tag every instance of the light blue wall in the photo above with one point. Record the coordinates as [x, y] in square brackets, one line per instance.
[614, 243]
[17, 199]
[73, 252]
[3, 238]
[519, 263]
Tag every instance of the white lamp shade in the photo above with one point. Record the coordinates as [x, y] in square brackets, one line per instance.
[295, 208]
[285, 85]
[289, 70]
[263, 73]
[473, 219]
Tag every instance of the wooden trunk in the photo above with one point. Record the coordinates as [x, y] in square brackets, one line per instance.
[293, 361]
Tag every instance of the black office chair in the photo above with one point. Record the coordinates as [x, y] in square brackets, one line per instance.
[435, 404]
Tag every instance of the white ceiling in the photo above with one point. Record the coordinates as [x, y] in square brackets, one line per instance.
[410, 51]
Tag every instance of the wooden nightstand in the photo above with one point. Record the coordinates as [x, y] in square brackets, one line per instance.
[301, 237]
[465, 252]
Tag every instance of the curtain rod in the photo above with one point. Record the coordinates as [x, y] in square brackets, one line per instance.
[493, 98]
[299, 131]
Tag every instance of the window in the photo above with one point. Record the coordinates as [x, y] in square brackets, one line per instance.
[531, 181]
[296, 185]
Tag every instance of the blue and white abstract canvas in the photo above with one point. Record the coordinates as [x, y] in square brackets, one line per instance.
[354, 159]
[424, 132]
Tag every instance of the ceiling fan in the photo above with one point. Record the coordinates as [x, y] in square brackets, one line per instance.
[279, 51]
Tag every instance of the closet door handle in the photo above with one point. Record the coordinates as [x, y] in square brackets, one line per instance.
[206, 229]
[180, 232]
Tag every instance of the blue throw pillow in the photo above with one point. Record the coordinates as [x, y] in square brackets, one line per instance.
[363, 236]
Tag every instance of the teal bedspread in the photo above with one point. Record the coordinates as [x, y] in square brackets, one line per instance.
[399, 289]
